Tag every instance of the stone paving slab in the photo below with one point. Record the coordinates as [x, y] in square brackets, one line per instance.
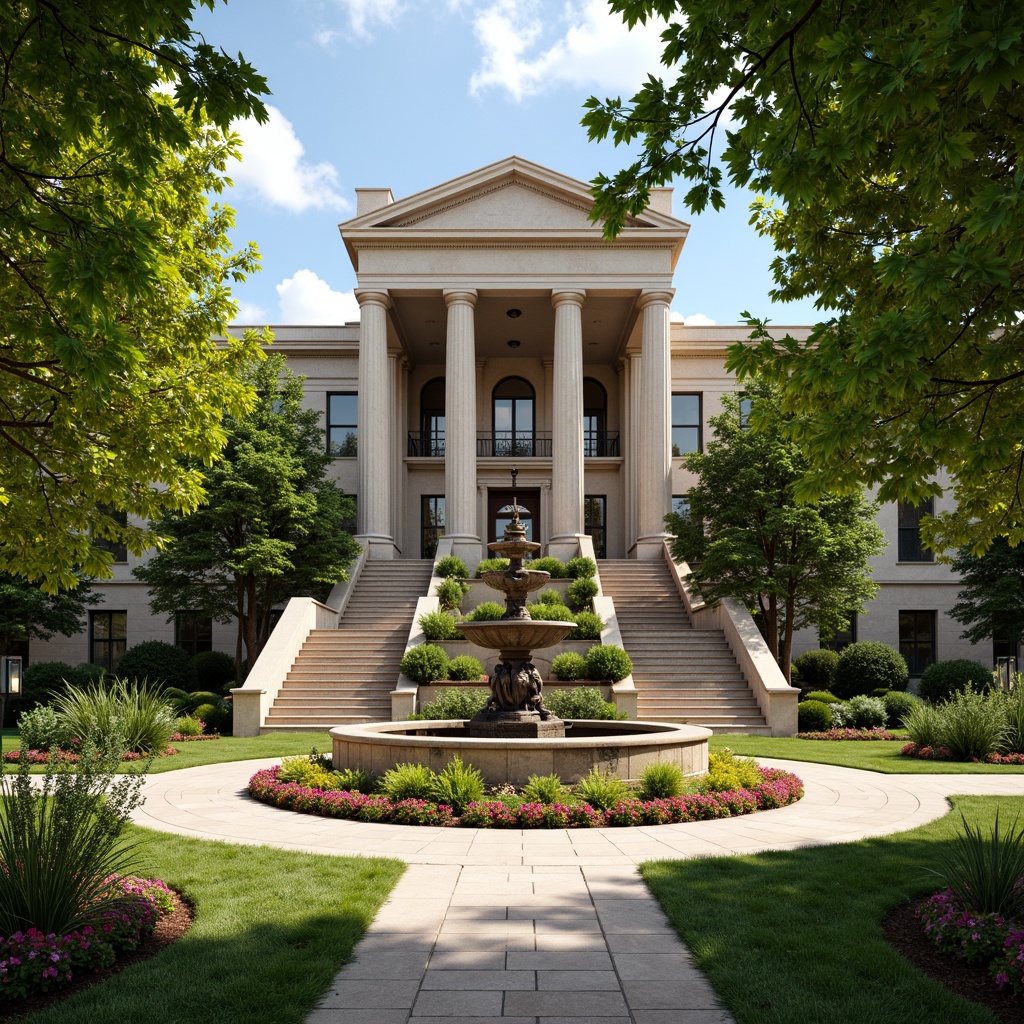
[546, 927]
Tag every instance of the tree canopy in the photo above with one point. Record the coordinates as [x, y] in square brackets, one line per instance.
[991, 598]
[273, 525]
[884, 143]
[27, 613]
[746, 536]
[115, 267]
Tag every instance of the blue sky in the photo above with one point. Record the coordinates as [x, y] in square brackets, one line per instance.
[406, 94]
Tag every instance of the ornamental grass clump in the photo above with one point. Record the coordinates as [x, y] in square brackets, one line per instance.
[661, 780]
[408, 782]
[62, 842]
[458, 785]
[972, 725]
[602, 791]
[923, 722]
[1013, 707]
[543, 789]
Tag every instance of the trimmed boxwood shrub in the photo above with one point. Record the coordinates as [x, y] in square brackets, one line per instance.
[581, 592]
[451, 566]
[581, 702]
[465, 668]
[464, 702]
[492, 565]
[450, 593]
[588, 626]
[551, 565]
[813, 716]
[817, 669]
[608, 661]
[569, 666]
[580, 568]
[897, 705]
[867, 712]
[42, 681]
[549, 597]
[868, 665]
[215, 670]
[216, 716]
[551, 612]
[439, 626]
[486, 611]
[425, 663]
[940, 681]
[823, 695]
[158, 664]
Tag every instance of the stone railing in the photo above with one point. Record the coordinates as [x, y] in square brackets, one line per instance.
[775, 697]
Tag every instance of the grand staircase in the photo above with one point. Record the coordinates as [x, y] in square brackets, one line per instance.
[346, 675]
[681, 674]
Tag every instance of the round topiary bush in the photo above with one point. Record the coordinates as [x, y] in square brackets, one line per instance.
[486, 611]
[940, 681]
[491, 565]
[44, 680]
[465, 668]
[450, 593]
[569, 666]
[813, 716]
[817, 669]
[550, 565]
[158, 664]
[213, 715]
[607, 661]
[867, 712]
[465, 702]
[897, 705]
[86, 672]
[823, 695]
[867, 665]
[439, 626]
[580, 568]
[588, 626]
[215, 670]
[451, 566]
[551, 612]
[425, 663]
[581, 592]
[549, 597]
[581, 702]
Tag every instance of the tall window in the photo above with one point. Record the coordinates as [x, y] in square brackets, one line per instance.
[431, 523]
[595, 419]
[917, 640]
[909, 531]
[686, 424]
[746, 404]
[513, 417]
[431, 439]
[594, 510]
[193, 632]
[841, 638]
[108, 637]
[342, 417]
[120, 552]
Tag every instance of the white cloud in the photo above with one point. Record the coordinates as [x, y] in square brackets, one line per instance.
[274, 166]
[693, 320]
[251, 315]
[363, 15]
[306, 299]
[595, 49]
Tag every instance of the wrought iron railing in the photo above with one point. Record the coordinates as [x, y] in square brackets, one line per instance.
[519, 445]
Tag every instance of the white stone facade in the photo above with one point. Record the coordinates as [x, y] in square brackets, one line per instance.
[499, 329]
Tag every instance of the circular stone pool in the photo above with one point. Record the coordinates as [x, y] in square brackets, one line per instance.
[622, 749]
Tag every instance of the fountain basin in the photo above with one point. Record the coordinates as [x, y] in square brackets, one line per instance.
[622, 749]
[517, 637]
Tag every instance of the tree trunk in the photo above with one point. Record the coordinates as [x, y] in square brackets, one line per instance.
[771, 626]
[785, 662]
[240, 619]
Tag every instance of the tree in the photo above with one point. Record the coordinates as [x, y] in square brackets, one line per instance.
[991, 594]
[883, 141]
[114, 273]
[272, 526]
[792, 564]
[27, 613]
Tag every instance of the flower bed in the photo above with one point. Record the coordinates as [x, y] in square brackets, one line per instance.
[181, 738]
[986, 939]
[848, 734]
[31, 962]
[942, 754]
[778, 789]
[72, 757]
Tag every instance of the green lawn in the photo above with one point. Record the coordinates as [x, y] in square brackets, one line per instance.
[272, 927]
[794, 937]
[871, 755]
[227, 748]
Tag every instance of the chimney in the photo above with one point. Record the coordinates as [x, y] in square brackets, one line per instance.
[370, 199]
[660, 201]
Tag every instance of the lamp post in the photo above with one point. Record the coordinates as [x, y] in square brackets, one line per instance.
[10, 686]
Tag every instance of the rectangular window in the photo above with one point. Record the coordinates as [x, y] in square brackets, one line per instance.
[686, 424]
[431, 523]
[119, 551]
[917, 640]
[342, 417]
[594, 510]
[108, 637]
[909, 531]
[193, 632]
[746, 404]
[841, 639]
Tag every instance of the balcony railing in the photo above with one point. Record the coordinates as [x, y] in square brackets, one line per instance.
[519, 445]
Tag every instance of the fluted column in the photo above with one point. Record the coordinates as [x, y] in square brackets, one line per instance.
[654, 476]
[460, 426]
[376, 416]
[567, 425]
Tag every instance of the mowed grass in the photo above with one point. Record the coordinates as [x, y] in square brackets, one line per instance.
[271, 929]
[227, 748]
[871, 755]
[795, 937]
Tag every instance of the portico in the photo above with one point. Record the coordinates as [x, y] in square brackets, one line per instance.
[499, 327]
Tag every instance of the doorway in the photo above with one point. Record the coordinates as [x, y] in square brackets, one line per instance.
[497, 521]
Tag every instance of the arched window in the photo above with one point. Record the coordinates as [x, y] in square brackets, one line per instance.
[512, 403]
[431, 439]
[595, 418]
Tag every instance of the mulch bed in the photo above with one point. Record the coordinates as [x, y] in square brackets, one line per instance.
[905, 934]
[168, 929]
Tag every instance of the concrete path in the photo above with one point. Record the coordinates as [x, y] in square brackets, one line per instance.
[537, 926]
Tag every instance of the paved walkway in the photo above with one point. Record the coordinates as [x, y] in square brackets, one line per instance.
[537, 926]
